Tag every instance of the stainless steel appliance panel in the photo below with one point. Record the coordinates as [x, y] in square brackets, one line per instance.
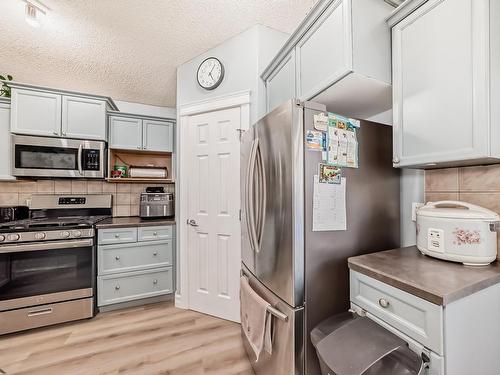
[40, 316]
[373, 213]
[288, 340]
[274, 201]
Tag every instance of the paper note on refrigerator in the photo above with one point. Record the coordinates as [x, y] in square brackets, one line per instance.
[329, 206]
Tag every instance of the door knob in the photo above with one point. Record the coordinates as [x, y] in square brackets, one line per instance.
[192, 223]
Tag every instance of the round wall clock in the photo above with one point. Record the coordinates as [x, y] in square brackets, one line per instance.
[210, 73]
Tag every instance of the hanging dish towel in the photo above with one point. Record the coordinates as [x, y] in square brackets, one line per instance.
[255, 319]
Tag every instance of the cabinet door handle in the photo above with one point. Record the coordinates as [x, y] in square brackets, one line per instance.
[395, 160]
[155, 253]
[48, 310]
[117, 257]
[155, 233]
[155, 281]
[117, 287]
[56, 133]
[139, 147]
[383, 303]
[117, 236]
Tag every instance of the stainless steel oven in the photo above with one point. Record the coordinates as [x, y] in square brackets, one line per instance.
[57, 157]
[43, 283]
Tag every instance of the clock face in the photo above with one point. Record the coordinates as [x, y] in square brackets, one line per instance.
[210, 73]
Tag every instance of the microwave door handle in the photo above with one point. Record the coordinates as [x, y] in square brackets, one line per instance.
[79, 157]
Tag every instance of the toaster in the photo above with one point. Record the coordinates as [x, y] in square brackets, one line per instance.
[155, 205]
[458, 232]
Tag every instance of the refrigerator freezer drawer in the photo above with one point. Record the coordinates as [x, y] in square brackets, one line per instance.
[288, 339]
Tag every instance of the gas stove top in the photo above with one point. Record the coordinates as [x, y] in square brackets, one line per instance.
[50, 223]
[55, 217]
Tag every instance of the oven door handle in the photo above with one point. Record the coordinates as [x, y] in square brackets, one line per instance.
[49, 245]
[80, 155]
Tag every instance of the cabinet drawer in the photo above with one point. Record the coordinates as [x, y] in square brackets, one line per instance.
[132, 257]
[134, 285]
[417, 318]
[155, 233]
[117, 235]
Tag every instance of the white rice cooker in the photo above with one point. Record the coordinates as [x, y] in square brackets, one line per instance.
[457, 231]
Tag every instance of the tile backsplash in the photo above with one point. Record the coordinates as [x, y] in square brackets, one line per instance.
[477, 185]
[125, 196]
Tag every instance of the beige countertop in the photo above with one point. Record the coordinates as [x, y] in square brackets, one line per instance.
[132, 221]
[434, 280]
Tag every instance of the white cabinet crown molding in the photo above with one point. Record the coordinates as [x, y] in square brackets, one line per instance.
[28, 86]
[142, 117]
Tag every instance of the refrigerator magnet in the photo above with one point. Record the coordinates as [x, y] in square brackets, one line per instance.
[321, 122]
[329, 174]
[314, 140]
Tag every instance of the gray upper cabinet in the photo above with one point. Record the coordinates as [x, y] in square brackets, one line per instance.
[5, 161]
[83, 118]
[125, 133]
[324, 53]
[36, 113]
[157, 135]
[340, 55]
[280, 86]
[134, 132]
[445, 82]
[55, 113]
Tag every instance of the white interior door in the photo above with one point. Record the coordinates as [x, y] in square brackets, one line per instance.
[214, 201]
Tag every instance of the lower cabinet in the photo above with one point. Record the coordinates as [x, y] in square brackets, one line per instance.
[141, 268]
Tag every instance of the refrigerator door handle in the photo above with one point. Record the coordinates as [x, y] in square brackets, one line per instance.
[262, 198]
[249, 198]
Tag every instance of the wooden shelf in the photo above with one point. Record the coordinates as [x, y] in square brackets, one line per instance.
[138, 180]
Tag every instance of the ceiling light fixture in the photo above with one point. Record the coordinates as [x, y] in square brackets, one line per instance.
[34, 11]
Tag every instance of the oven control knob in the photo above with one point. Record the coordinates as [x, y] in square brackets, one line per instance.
[40, 235]
[2, 237]
[77, 233]
[13, 237]
[65, 234]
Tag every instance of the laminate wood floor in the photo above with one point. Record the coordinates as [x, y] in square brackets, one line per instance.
[152, 339]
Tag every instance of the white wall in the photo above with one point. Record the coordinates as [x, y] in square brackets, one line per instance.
[412, 190]
[146, 110]
[243, 56]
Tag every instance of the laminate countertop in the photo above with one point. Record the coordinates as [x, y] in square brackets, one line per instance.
[434, 280]
[132, 221]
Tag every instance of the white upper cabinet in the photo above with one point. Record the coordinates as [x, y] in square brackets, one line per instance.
[125, 133]
[83, 118]
[340, 56]
[5, 166]
[157, 135]
[134, 132]
[280, 86]
[57, 113]
[36, 113]
[442, 55]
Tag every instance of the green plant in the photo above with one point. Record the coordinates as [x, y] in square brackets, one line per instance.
[5, 90]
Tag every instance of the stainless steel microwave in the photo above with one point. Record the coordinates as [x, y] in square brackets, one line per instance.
[57, 157]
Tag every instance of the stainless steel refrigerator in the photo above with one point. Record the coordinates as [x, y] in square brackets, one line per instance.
[301, 272]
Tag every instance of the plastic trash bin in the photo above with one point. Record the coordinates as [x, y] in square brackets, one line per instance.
[351, 345]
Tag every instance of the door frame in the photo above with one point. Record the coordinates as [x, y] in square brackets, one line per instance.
[239, 99]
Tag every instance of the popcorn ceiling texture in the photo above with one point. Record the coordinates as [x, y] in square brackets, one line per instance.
[127, 49]
[478, 185]
[125, 196]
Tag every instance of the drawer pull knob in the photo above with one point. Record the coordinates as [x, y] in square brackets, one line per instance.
[155, 253]
[155, 233]
[117, 236]
[383, 303]
[117, 287]
[117, 257]
[155, 281]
